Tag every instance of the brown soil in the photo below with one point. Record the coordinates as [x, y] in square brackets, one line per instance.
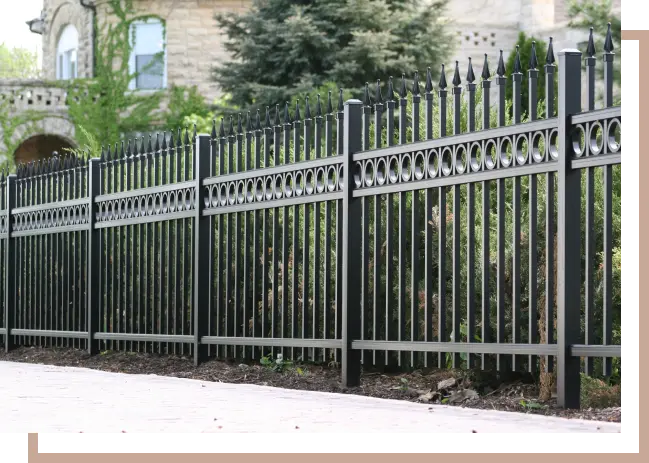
[513, 393]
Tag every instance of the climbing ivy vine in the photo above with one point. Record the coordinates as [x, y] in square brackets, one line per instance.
[104, 105]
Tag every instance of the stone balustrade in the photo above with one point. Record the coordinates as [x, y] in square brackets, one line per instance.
[33, 94]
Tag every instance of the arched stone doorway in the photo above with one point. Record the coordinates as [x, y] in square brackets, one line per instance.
[40, 147]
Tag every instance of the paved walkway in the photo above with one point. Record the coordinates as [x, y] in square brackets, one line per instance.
[41, 398]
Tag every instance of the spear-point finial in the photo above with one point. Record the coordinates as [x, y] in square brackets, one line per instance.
[102, 156]
[277, 121]
[164, 141]
[248, 122]
[172, 144]
[122, 153]
[179, 141]
[415, 84]
[330, 108]
[366, 94]
[318, 107]
[287, 115]
[157, 142]
[258, 120]
[307, 108]
[222, 128]
[608, 42]
[230, 127]
[501, 66]
[486, 75]
[239, 124]
[297, 111]
[149, 148]
[341, 105]
[403, 93]
[429, 81]
[590, 49]
[186, 140]
[534, 62]
[456, 75]
[267, 119]
[130, 150]
[470, 76]
[442, 79]
[378, 96]
[517, 62]
[213, 128]
[194, 133]
[390, 89]
[109, 155]
[549, 56]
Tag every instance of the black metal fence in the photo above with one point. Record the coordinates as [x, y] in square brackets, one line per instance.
[365, 235]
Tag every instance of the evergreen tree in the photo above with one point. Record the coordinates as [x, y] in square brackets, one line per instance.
[598, 14]
[524, 50]
[283, 48]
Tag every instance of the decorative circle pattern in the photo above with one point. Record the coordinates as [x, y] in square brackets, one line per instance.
[297, 183]
[156, 204]
[456, 159]
[596, 137]
[48, 218]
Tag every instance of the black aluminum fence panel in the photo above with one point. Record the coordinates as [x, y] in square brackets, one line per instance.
[406, 231]
[50, 222]
[274, 203]
[145, 220]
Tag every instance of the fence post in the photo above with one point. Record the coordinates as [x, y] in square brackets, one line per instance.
[94, 257]
[568, 234]
[10, 261]
[352, 250]
[201, 286]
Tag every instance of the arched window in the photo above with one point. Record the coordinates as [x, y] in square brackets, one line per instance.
[66, 53]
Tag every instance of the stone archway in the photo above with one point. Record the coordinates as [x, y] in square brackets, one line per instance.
[38, 139]
[40, 147]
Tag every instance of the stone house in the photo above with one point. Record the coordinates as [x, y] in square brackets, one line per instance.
[187, 33]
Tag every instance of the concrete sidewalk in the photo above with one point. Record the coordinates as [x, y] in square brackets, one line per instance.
[41, 398]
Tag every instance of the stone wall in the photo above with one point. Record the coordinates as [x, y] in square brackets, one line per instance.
[194, 44]
[36, 136]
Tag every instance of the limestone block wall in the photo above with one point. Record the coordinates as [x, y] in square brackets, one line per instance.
[193, 41]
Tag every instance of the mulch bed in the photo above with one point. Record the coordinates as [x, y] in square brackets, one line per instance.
[515, 393]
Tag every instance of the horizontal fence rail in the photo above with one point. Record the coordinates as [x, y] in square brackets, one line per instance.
[388, 232]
